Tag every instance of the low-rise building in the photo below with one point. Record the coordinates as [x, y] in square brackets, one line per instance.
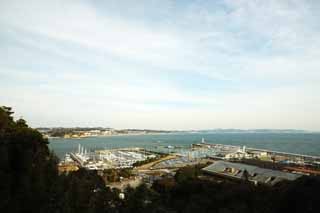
[254, 174]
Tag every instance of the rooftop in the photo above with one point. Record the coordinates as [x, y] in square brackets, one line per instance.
[254, 174]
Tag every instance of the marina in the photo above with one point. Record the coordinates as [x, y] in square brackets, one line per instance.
[106, 159]
[120, 158]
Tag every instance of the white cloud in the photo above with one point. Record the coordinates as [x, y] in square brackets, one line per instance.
[122, 66]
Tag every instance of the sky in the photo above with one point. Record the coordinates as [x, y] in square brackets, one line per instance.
[162, 64]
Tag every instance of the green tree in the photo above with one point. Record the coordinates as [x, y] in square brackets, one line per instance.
[28, 169]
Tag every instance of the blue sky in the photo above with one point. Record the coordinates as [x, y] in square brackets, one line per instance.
[162, 64]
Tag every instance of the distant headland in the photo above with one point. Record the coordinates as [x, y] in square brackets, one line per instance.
[84, 132]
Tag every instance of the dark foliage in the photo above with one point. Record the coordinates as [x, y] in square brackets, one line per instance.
[188, 193]
[114, 175]
[29, 179]
[28, 170]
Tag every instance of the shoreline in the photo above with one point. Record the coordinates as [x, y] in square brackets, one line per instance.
[179, 133]
[115, 135]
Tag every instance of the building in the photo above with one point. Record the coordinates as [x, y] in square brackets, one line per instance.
[257, 154]
[253, 174]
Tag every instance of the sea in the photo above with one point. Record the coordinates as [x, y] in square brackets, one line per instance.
[300, 143]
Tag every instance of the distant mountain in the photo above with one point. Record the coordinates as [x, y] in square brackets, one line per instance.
[249, 131]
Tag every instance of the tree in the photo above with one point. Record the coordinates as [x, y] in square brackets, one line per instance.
[28, 169]
[245, 175]
[29, 179]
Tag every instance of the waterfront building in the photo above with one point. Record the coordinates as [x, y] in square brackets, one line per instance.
[253, 174]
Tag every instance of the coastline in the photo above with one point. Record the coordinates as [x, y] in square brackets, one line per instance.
[114, 135]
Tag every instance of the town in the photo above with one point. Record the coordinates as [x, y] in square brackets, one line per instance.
[84, 132]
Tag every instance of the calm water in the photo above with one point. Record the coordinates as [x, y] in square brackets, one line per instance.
[308, 144]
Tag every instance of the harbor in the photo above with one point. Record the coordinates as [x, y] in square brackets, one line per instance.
[120, 158]
[107, 159]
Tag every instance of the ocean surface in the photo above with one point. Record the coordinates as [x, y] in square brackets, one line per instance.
[301, 143]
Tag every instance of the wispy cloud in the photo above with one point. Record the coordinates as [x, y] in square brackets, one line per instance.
[162, 64]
